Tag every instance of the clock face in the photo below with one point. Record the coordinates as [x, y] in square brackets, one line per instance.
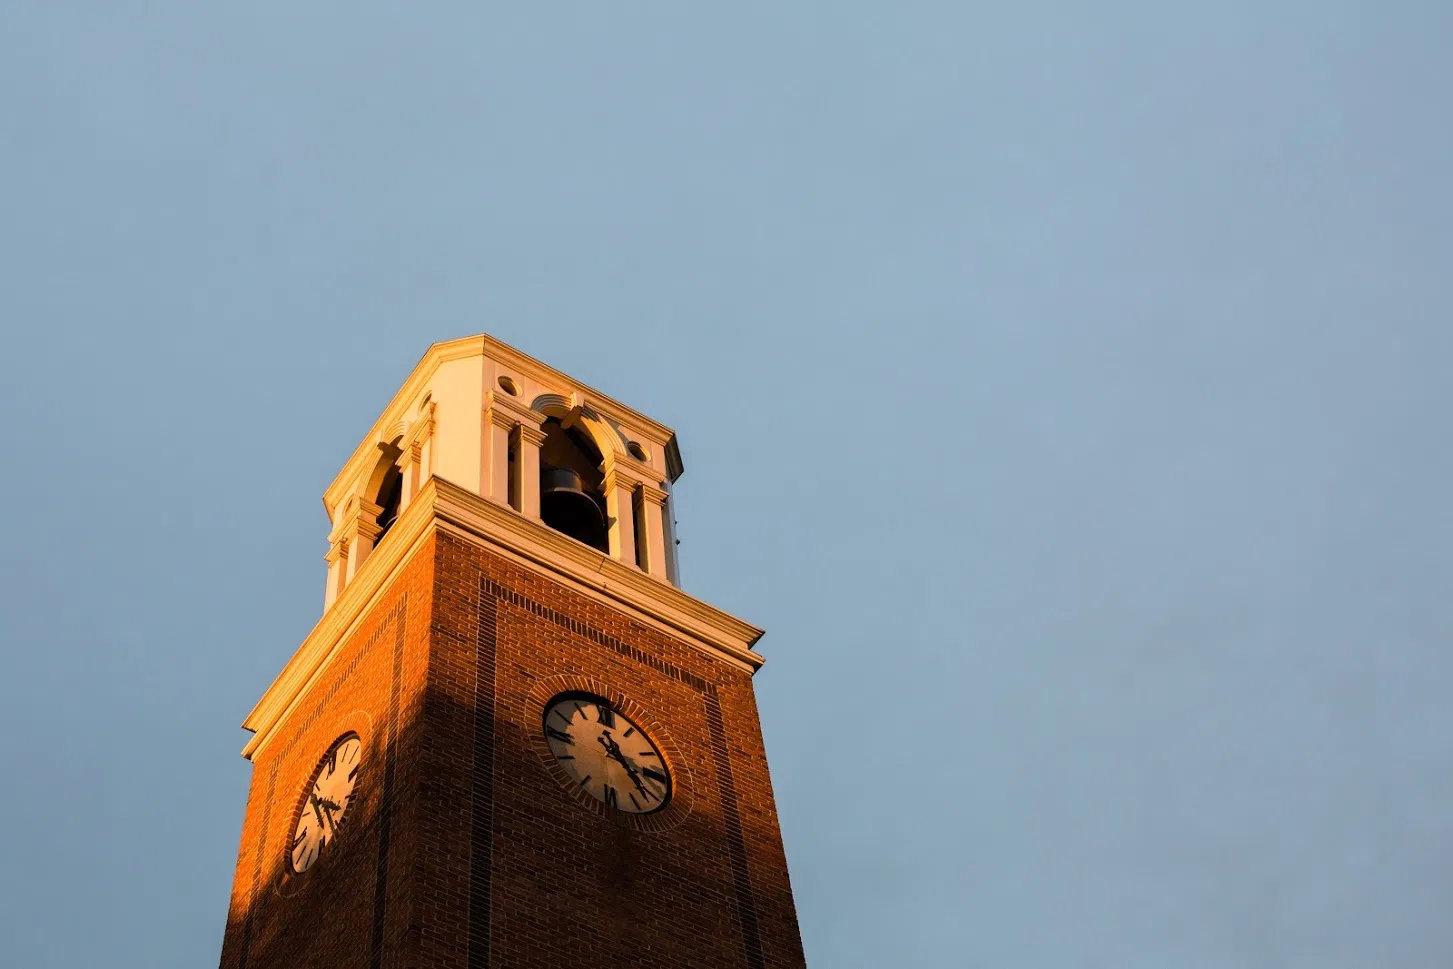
[326, 801]
[605, 754]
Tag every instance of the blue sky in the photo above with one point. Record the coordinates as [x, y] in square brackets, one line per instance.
[1063, 386]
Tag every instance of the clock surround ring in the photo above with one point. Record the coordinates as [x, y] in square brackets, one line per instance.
[676, 810]
[288, 883]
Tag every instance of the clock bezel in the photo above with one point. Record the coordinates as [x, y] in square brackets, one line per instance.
[595, 699]
[678, 807]
[329, 847]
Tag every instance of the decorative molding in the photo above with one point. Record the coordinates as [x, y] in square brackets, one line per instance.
[338, 624]
[500, 405]
[413, 385]
[530, 434]
[699, 624]
[561, 402]
[357, 513]
[640, 471]
[423, 428]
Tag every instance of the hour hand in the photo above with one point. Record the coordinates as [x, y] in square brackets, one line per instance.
[322, 806]
[612, 749]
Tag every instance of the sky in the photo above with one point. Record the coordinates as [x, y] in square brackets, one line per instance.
[1064, 386]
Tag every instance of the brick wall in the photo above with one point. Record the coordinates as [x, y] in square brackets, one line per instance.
[479, 857]
[334, 915]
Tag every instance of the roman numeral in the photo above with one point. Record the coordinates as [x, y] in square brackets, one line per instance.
[604, 716]
[563, 718]
[634, 803]
[302, 836]
[654, 774]
[611, 798]
[646, 753]
[559, 735]
[353, 773]
[629, 731]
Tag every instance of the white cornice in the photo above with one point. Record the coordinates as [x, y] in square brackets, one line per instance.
[546, 374]
[703, 625]
[366, 454]
[442, 506]
[309, 660]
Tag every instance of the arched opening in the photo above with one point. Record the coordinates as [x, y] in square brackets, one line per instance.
[571, 499]
[390, 491]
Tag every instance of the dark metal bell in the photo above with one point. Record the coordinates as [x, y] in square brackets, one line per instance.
[565, 506]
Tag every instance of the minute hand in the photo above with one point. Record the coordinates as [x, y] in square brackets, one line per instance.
[319, 809]
[613, 750]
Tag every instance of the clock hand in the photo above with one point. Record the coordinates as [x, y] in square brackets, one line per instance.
[613, 750]
[318, 812]
[319, 809]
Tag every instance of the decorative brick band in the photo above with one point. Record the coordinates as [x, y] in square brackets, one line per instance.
[385, 808]
[259, 854]
[736, 844]
[481, 810]
[394, 620]
[514, 598]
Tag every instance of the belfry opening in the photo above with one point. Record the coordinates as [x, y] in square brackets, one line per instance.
[571, 497]
[389, 494]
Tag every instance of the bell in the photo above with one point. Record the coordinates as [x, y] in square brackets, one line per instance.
[565, 506]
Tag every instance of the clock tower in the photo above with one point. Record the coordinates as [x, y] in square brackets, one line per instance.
[511, 740]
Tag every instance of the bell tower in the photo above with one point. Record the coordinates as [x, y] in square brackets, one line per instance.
[511, 740]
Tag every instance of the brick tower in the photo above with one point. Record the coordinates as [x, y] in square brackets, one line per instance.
[511, 740]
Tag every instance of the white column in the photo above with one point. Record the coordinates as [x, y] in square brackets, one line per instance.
[408, 465]
[620, 490]
[653, 505]
[425, 448]
[496, 448]
[527, 469]
[362, 530]
[673, 551]
[414, 458]
[337, 559]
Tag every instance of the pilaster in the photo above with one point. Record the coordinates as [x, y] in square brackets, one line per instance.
[620, 492]
[653, 506]
[528, 439]
[361, 529]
